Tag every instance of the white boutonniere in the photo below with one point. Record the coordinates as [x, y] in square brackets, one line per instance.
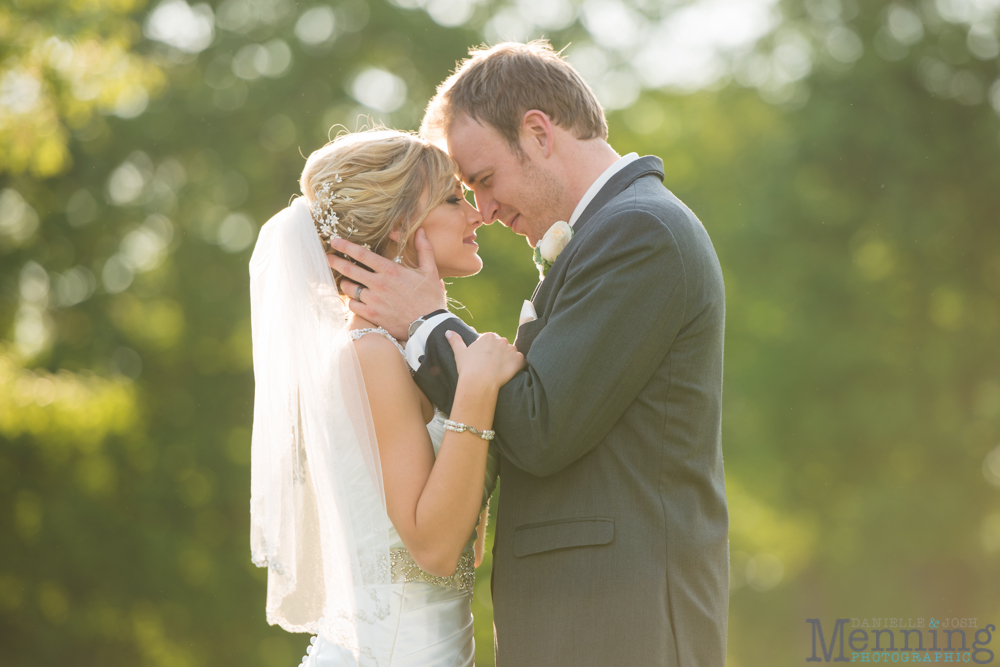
[552, 243]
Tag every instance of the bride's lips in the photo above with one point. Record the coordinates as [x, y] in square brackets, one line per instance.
[471, 240]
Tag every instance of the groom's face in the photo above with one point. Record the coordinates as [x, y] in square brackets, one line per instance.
[518, 190]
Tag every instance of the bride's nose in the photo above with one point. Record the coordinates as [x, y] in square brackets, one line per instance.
[473, 215]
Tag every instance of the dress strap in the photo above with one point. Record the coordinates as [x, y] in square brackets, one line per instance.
[358, 333]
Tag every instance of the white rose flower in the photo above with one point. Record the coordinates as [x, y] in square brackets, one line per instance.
[554, 241]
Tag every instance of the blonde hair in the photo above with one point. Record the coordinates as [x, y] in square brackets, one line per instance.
[371, 182]
[497, 85]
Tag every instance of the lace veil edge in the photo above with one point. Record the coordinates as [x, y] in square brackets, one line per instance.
[317, 508]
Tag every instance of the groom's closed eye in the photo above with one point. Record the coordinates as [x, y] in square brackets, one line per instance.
[478, 176]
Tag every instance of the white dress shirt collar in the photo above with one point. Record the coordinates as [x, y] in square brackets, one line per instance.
[601, 181]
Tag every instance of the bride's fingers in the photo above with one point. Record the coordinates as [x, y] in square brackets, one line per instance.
[457, 344]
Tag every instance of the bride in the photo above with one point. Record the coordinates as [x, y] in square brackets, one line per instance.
[364, 499]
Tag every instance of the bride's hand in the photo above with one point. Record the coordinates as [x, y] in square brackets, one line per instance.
[490, 359]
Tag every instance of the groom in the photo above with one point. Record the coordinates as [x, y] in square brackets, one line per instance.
[611, 539]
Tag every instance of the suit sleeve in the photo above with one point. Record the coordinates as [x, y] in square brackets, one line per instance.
[613, 321]
[437, 375]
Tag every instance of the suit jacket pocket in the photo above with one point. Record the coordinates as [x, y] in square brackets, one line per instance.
[533, 538]
[526, 334]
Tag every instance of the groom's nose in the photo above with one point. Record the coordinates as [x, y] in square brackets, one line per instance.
[490, 211]
[487, 206]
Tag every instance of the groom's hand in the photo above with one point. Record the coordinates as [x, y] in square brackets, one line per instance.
[392, 296]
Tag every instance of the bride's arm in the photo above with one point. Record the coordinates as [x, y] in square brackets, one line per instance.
[433, 504]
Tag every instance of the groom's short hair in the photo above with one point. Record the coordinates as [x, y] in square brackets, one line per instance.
[497, 85]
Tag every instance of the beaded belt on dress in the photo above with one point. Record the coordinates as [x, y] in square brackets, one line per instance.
[404, 569]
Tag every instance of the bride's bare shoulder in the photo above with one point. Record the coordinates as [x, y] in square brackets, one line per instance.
[377, 350]
[387, 376]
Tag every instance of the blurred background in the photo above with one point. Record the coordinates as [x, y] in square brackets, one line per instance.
[843, 154]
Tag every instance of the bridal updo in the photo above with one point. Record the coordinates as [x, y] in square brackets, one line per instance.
[364, 185]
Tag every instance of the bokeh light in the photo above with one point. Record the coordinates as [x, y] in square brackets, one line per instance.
[842, 155]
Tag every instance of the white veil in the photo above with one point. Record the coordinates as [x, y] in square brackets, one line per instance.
[317, 508]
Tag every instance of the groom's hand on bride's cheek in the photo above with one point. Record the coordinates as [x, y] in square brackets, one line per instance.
[392, 295]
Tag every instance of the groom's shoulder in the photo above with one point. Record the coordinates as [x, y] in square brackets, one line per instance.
[647, 206]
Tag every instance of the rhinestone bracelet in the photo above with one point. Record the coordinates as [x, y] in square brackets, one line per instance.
[459, 427]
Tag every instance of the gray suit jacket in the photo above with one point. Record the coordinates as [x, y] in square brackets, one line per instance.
[612, 534]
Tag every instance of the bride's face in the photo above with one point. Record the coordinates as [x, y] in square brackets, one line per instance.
[451, 230]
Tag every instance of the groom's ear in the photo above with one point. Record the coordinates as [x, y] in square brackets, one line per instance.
[536, 131]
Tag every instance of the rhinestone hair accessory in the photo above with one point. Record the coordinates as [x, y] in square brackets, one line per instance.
[329, 225]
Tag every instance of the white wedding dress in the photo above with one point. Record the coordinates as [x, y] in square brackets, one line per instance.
[430, 618]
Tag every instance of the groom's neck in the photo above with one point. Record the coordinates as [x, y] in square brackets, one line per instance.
[585, 161]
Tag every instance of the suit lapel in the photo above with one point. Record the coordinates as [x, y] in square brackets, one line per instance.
[644, 166]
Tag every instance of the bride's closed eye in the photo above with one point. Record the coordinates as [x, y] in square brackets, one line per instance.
[457, 197]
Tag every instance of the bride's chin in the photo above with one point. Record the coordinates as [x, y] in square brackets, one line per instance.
[464, 271]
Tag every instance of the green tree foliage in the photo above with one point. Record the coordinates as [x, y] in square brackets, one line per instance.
[61, 63]
[124, 466]
[845, 168]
